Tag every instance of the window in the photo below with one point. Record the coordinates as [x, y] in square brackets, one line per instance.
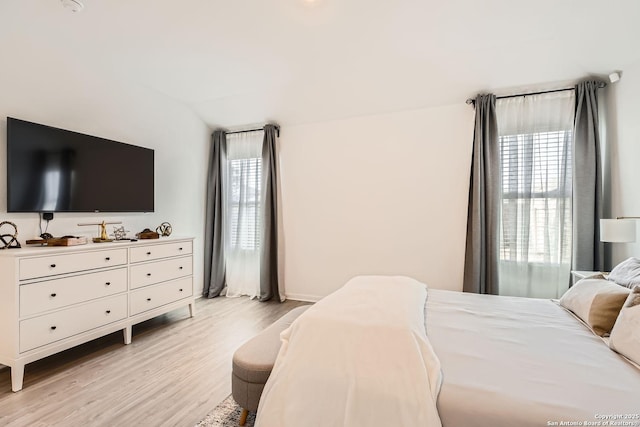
[243, 214]
[535, 137]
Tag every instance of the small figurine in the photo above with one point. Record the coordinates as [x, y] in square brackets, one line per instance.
[164, 229]
[119, 233]
[147, 234]
[9, 241]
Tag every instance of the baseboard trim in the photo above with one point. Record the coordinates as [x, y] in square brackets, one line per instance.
[294, 297]
[303, 297]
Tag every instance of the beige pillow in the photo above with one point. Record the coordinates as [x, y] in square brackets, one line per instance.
[625, 336]
[597, 302]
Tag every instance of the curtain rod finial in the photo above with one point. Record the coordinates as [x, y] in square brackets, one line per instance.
[470, 101]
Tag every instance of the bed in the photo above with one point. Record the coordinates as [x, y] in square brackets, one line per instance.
[500, 361]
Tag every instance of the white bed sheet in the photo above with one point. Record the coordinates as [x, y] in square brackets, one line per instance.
[510, 361]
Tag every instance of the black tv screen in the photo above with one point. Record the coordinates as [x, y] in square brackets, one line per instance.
[56, 170]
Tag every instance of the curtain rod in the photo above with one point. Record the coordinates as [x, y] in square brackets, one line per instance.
[472, 101]
[253, 130]
[244, 131]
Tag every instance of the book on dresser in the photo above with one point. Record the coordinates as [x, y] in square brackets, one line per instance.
[54, 298]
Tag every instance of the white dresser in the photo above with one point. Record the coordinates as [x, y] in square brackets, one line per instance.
[55, 298]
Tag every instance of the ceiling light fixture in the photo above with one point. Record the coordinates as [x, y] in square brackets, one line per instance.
[74, 5]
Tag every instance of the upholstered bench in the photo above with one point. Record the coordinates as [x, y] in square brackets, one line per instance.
[254, 360]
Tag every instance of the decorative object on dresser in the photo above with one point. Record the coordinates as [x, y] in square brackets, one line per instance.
[8, 241]
[147, 234]
[164, 229]
[119, 233]
[52, 299]
[59, 241]
[104, 237]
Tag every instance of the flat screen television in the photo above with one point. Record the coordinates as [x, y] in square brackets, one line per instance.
[57, 170]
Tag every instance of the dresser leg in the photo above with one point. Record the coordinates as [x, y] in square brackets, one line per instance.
[192, 309]
[127, 334]
[17, 375]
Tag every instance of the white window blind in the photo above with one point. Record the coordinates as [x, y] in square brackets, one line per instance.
[245, 189]
[536, 183]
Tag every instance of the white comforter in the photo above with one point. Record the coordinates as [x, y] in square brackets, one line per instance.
[359, 357]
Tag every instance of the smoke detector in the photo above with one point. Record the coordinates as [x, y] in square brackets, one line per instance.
[73, 5]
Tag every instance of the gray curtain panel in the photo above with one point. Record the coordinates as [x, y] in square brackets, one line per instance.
[269, 283]
[214, 261]
[587, 180]
[482, 250]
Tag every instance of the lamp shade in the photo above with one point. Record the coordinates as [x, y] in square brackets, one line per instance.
[617, 230]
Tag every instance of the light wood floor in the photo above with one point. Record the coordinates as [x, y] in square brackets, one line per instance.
[176, 370]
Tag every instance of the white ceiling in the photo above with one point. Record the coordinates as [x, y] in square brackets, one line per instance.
[239, 62]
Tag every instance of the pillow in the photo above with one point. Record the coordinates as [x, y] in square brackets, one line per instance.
[625, 336]
[596, 302]
[627, 273]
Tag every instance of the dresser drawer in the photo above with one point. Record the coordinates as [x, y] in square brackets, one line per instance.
[155, 296]
[63, 324]
[31, 268]
[164, 250]
[57, 293]
[160, 271]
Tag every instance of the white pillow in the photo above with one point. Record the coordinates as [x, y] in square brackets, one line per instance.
[627, 273]
[625, 335]
[597, 302]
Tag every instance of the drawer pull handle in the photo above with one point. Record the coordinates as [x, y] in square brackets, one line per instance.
[180, 267]
[108, 311]
[148, 253]
[108, 259]
[179, 249]
[53, 328]
[53, 295]
[108, 283]
[53, 266]
[180, 289]
[148, 299]
[148, 274]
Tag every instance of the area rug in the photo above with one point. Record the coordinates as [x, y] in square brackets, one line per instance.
[226, 414]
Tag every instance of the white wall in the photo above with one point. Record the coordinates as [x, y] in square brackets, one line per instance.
[623, 134]
[45, 91]
[384, 194]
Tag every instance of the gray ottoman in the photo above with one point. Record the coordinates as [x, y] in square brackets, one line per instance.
[253, 362]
